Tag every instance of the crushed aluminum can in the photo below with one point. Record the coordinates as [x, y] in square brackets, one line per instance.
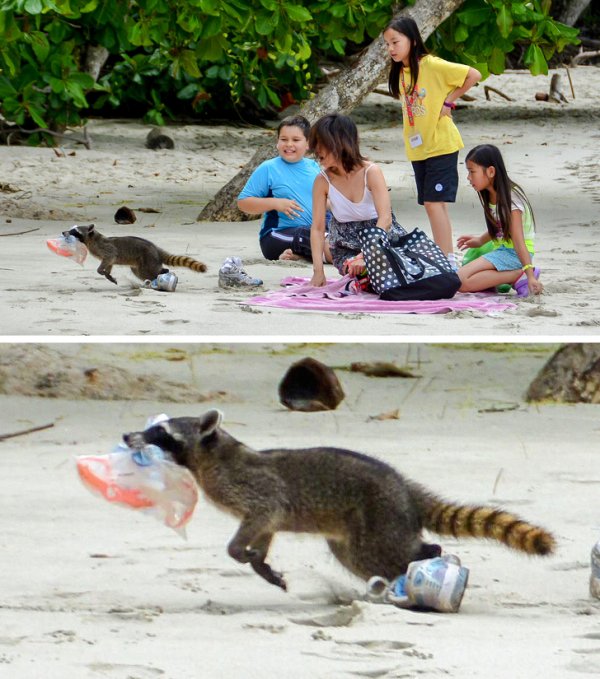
[431, 584]
[164, 281]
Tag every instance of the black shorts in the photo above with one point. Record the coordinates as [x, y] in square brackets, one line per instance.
[296, 239]
[437, 178]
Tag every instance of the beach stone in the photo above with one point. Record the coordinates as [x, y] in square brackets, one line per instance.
[310, 386]
[125, 215]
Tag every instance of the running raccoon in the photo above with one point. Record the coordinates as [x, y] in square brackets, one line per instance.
[371, 516]
[145, 259]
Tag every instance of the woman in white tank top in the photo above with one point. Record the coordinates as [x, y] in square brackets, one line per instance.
[357, 193]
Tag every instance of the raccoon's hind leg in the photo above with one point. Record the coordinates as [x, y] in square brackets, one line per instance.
[380, 542]
[140, 272]
[148, 264]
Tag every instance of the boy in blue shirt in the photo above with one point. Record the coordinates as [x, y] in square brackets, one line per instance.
[281, 188]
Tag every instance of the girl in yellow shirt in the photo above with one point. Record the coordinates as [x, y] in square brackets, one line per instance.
[428, 87]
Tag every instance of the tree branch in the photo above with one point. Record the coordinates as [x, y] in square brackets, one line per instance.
[342, 94]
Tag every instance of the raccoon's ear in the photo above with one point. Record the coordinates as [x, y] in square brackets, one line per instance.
[91, 228]
[210, 421]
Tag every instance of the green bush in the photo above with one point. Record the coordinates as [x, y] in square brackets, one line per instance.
[207, 58]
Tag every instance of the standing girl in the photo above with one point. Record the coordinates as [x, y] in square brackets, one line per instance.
[510, 225]
[356, 192]
[429, 86]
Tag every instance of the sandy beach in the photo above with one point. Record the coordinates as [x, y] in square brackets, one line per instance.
[550, 149]
[94, 590]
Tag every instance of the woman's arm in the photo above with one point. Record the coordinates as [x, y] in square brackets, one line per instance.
[317, 230]
[381, 197]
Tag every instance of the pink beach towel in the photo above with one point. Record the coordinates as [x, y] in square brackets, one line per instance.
[298, 294]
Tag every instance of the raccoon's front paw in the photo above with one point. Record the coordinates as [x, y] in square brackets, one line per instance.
[265, 571]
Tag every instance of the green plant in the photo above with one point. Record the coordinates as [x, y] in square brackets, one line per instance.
[215, 57]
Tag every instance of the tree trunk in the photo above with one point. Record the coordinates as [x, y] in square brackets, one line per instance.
[341, 95]
[572, 375]
[572, 11]
[95, 58]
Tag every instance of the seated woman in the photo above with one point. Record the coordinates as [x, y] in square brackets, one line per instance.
[281, 188]
[356, 192]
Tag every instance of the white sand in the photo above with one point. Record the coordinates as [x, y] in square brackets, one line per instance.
[91, 590]
[551, 149]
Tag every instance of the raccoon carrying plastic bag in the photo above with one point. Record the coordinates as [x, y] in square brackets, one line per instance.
[144, 480]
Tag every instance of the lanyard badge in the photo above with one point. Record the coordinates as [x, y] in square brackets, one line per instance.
[414, 138]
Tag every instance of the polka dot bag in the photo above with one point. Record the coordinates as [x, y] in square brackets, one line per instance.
[414, 268]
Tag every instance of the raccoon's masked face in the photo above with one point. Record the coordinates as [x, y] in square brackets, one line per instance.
[82, 233]
[158, 435]
[180, 436]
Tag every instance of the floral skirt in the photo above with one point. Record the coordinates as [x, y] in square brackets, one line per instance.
[344, 242]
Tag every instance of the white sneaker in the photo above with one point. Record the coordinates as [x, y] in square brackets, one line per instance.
[232, 275]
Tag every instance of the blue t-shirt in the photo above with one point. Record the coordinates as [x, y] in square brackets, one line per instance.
[276, 178]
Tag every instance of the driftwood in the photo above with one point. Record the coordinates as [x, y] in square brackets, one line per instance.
[31, 430]
[11, 133]
[555, 93]
[342, 94]
[20, 233]
[488, 88]
[582, 56]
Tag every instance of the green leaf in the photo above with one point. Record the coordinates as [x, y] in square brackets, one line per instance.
[473, 13]
[535, 60]
[210, 49]
[189, 91]
[6, 88]
[265, 23]
[497, 61]
[84, 79]
[504, 21]
[297, 13]
[37, 115]
[56, 84]
[33, 6]
[461, 33]
[188, 62]
[210, 6]
[211, 26]
[89, 7]
[76, 93]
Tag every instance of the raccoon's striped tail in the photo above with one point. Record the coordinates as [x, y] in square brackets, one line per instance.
[183, 260]
[447, 518]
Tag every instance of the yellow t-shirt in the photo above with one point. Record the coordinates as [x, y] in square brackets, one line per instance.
[437, 78]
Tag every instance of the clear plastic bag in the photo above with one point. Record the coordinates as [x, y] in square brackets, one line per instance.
[68, 246]
[144, 480]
